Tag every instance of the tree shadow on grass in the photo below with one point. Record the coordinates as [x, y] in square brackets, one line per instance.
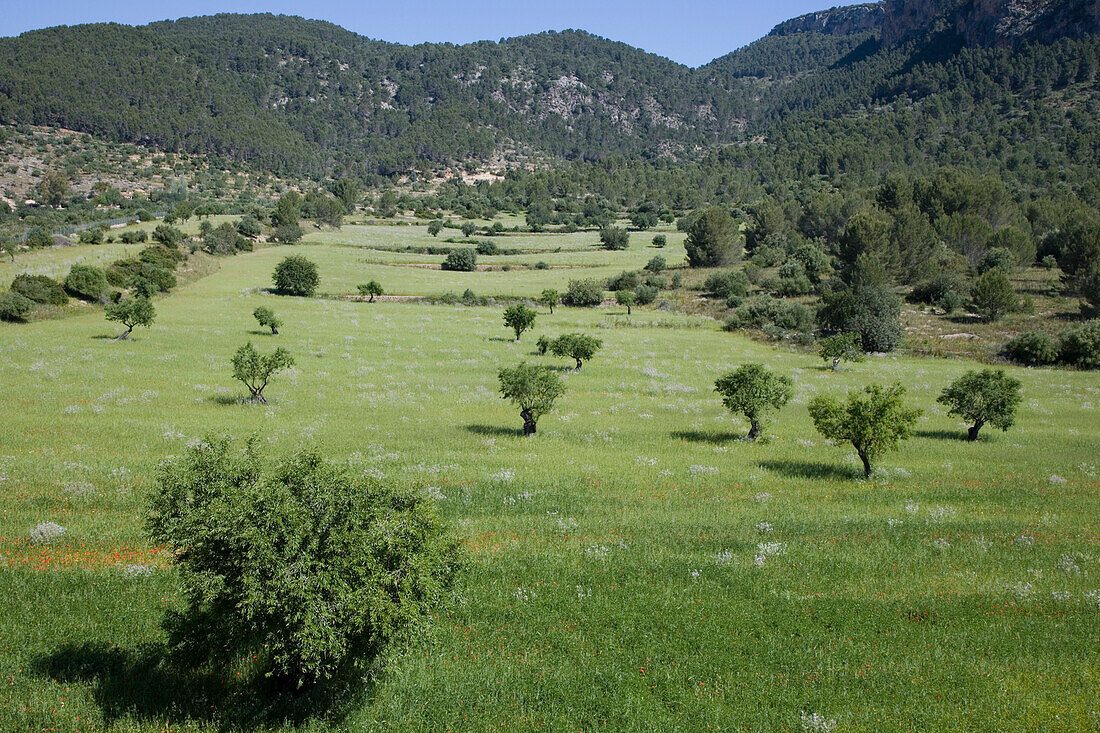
[942, 434]
[495, 430]
[811, 469]
[707, 436]
[227, 399]
[145, 684]
[504, 339]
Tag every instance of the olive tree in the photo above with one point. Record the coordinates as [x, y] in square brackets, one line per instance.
[131, 312]
[532, 388]
[371, 289]
[874, 420]
[753, 391]
[255, 369]
[435, 227]
[847, 346]
[519, 318]
[980, 397]
[267, 319]
[577, 346]
[550, 297]
[298, 565]
[614, 238]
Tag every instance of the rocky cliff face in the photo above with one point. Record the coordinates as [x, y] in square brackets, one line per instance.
[993, 22]
[845, 21]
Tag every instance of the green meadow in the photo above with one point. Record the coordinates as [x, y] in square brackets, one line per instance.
[635, 565]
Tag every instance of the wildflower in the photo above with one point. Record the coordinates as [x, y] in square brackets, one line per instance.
[695, 573]
[764, 527]
[725, 557]
[1025, 540]
[434, 492]
[911, 506]
[1065, 562]
[1056, 479]
[137, 571]
[46, 532]
[893, 522]
[941, 543]
[817, 722]
[762, 497]
[1060, 595]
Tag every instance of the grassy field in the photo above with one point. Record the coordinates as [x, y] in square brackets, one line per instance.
[634, 566]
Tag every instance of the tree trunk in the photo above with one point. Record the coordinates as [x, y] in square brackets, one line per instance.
[371, 298]
[124, 335]
[836, 363]
[578, 365]
[754, 430]
[528, 422]
[866, 464]
[551, 307]
[972, 432]
[628, 310]
[257, 397]
[274, 331]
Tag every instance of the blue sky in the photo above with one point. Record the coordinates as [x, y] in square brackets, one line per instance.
[691, 32]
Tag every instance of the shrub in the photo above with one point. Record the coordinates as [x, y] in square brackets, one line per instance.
[86, 282]
[296, 275]
[980, 397]
[541, 265]
[614, 238]
[435, 227]
[659, 240]
[463, 259]
[249, 227]
[713, 239]
[625, 280]
[40, 289]
[550, 297]
[577, 346]
[753, 391]
[766, 311]
[645, 294]
[725, 283]
[532, 388]
[303, 568]
[37, 238]
[487, 248]
[872, 311]
[255, 369]
[287, 233]
[656, 264]
[1081, 345]
[941, 290]
[542, 345]
[468, 228]
[583, 293]
[1033, 348]
[14, 307]
[519, 318]
[167, 235]
[874, 420]
[1049, 262]
[133, 236]
[997, 258]
[91, 235]
[131, 312]
[993, 295]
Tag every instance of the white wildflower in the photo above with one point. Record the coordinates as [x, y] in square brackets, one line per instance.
[47, 532]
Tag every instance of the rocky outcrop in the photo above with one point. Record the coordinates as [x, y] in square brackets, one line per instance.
[845, 21]
[993, 22]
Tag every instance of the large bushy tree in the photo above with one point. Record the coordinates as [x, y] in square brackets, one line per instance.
[296, 275]
[131, 312]
[300, 566]
[713, 240]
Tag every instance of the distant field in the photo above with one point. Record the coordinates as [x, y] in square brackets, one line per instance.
[634, 566]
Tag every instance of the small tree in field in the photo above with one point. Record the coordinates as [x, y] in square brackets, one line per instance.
[550, 297]
[519, 318]
[532, 388]
[842, 347]
[296, 275]
[255, 369]
[993, 295]
[873, 420]
[754, 391]
[299, 566]
[372, 289]
[627, 298]
[435, 227]
[577, 346]
[980, 397]
[267, 319]
[131, 312]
